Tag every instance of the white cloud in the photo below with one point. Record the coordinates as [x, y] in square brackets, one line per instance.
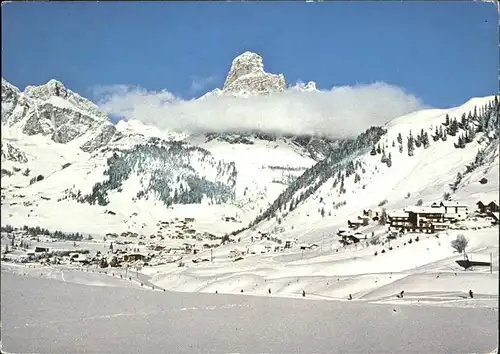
[340, 112]
[199, 83]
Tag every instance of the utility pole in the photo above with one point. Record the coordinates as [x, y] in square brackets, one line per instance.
[491, 263]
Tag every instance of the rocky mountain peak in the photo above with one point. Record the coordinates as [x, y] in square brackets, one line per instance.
[10, 97]
[55, 88]
[247, 76]
[53, 110]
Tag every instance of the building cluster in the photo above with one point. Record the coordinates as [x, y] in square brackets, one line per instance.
[430, 219]
[439, 216]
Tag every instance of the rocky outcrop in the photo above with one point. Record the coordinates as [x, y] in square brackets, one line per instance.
[68, 98]
[105, 133]
[247, 76]
[12, 153]
[54, 110]
[10, 98]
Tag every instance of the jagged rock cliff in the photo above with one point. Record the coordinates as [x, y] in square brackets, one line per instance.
[55, 111]
[247, 76]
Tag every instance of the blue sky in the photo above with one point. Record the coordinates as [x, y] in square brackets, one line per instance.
[441, 52]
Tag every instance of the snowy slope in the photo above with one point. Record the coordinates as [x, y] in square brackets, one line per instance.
[426, 175]
[58, 145]
[139, 168]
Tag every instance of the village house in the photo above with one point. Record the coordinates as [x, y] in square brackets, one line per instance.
[460, 211]
[421, 219]
[133, 257]
[289, 243]
[373, 214]
[342, 231]
[355, 224]
[488, 207]
[348, 239]
[229, 218]
[399, 219]
[236, 253]
[308, 246]
[189, 219]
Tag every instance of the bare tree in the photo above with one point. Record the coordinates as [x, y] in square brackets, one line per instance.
[460, 244]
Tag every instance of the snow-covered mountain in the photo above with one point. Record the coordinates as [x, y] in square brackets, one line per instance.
[58, 147]
[52, 110]
[422, 157]
[64, 163]
[247, 78]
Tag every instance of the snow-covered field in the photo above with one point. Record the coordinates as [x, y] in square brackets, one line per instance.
[61, 317]
[426, 268]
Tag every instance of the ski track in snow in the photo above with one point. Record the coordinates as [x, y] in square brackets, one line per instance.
[133, 314]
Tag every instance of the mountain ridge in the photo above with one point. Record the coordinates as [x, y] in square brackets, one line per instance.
[58, 145]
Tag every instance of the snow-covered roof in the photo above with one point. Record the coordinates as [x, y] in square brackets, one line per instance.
[454, 204]
[488, 202]
[425, 210]
[398, 214]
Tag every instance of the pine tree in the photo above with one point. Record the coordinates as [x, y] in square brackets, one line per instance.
[393, 144]
[373, 152]
[453, 128]
[389, 160]
[425, 141]
[461, 142]
[447, 120]
[463, 121]
[436, 135]
[480, 128]
[418, 141]
[384, 158]
[400, 149]
[400, 138]
[444, 137]
[411, 148]
[379, 151]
